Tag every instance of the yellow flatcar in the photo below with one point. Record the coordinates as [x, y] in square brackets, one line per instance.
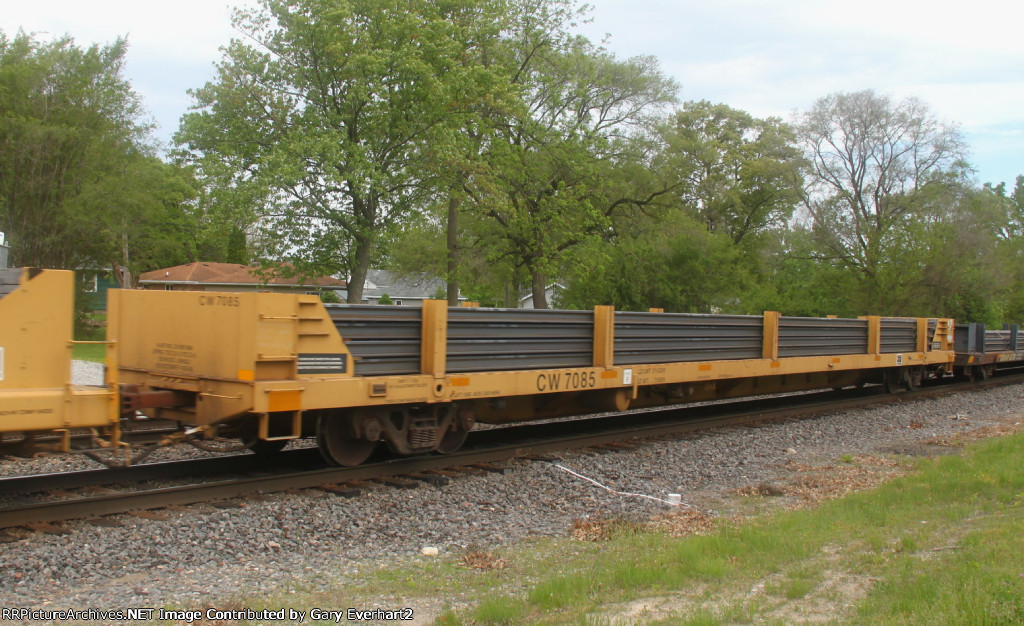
[280, 367]
[268, 368]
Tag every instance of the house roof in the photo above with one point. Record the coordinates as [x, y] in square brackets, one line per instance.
[411, 287]
[228, 274]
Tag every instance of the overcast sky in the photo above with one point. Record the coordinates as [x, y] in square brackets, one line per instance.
[965, 60]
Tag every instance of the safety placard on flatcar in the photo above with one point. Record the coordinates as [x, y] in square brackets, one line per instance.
[312, 363]
[174, 357]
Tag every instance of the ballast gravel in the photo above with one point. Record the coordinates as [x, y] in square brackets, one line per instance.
[201, 556]
[86, 373]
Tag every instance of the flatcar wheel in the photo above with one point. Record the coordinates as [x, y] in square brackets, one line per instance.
[914, 377]
[893, 380]
[976, 373]
[337, 444]
[452, 441]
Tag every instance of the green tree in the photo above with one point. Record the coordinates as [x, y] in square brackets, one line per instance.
[963, 273]
[485, 273]
[1012, 248]
[794, 280]
[332, 117]
[151, 224]
[552, 166]
[72, 139]
[216, 224]
[978, 273]
[739, 175]
[879, 170]
[672, 262]
[539, 166]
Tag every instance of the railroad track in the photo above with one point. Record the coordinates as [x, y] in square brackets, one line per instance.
[301, 469]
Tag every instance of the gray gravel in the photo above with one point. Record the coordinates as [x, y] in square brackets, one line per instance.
[86, 373]
[201, 555]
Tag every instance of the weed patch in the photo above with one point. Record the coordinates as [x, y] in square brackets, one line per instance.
[812, 484]
[481, 559]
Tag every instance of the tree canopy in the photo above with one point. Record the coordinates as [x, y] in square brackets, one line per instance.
[81, 185]
[739, 175]
[879, 168]
[553, 166]
[70, 125]
[330, 117]
[488, 142]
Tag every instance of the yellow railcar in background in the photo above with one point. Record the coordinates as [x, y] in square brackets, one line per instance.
[36, 394]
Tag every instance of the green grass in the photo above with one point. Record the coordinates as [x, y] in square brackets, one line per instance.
[90, 352]
[90, 327]
[942, 545]
[976, 575]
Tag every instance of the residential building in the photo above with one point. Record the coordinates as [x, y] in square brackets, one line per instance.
[552, 290]
[403, 290]
[233, 277]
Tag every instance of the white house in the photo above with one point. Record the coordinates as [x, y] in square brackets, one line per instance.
[553, 289]
[403, 290]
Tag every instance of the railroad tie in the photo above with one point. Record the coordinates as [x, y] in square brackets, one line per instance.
[343, 491]
[436, 480]
[401, 483]
[494, 469]
[226, 504]
[105, 522]
[361, 484]
[48, 529]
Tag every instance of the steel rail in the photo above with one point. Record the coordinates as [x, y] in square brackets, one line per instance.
[164, 470]
[310, 457]
[485, 446]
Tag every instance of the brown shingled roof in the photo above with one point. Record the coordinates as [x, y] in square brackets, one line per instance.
[228, 274]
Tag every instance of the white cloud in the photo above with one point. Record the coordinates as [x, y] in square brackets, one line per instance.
[964, 61]
[174, 31]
